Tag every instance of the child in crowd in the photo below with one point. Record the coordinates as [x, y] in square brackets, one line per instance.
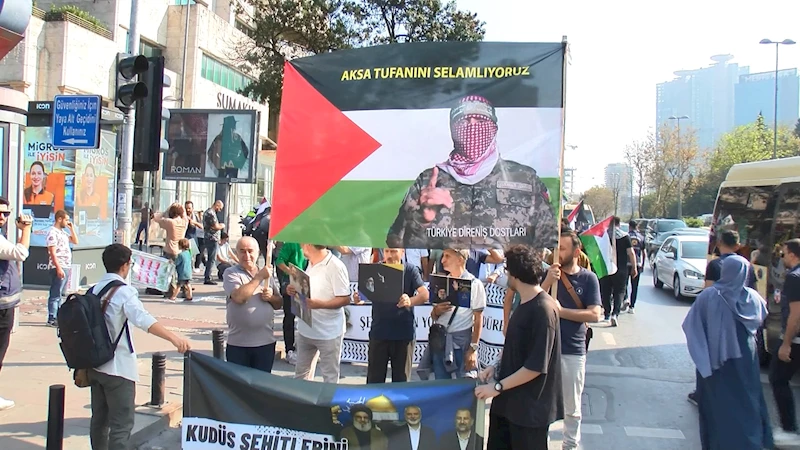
[183, 265]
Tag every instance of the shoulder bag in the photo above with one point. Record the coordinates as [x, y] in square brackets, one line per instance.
[579, 304]
[437, 336]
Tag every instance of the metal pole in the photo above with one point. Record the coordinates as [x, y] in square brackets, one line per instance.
[680, 173]
[183, 77]
[775, 119]
[123, 234]
[218, 343]
[158, 375]
[55, 418]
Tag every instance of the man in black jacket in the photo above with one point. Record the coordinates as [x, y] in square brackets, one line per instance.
[413, 435]
[464, 432]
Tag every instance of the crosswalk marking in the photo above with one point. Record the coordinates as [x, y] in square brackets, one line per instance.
[586, 428]
[608, 338]
[663, 433]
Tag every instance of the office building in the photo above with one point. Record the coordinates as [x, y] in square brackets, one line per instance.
[619, 179]
[63, 53]
[755, 93]
[705, 95]
[569, 181]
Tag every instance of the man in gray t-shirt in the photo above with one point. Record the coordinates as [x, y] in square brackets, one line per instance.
[253, 295]
[212, 230]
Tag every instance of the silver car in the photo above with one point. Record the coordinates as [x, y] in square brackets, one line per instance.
[681, 263]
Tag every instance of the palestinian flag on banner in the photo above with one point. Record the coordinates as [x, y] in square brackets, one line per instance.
[421, 145]
[601, 248]
[573, 215]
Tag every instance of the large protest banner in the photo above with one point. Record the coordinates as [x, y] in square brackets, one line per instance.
[422, 145]
[231, 406]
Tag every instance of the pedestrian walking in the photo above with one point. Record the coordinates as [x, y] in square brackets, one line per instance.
[526, 385]
[253, 296]
[11, 255]
[58, 242]
[194, 226]
[113, 384]
[183, 267]
[330, 292]
[579, 304]
[212, 229]
[174, 225]
[614, 286]
[785, 366]
[720, 333]
[392, 336]
[638, 246]
[144, 226]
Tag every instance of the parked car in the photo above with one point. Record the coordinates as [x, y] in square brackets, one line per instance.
[681, 264]
[653, 234]
[676, 232]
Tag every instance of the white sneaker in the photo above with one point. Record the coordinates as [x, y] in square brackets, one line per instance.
[291, 357]
[782, 437]
[631, 311]
[6, 404]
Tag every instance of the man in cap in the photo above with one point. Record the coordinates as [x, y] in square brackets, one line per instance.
[475, 198]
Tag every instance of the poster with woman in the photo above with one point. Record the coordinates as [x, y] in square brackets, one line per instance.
[48, 170]
[94, 192]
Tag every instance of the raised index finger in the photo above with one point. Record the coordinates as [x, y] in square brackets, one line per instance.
[434, 177]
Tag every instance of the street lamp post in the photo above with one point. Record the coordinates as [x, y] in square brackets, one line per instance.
[775, 118]
[680, 165]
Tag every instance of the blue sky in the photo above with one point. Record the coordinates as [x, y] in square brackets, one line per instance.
[622, 48]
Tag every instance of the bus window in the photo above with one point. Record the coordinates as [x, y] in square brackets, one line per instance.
[787, 226]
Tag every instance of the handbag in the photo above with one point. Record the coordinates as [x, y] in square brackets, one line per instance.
[579, 304]
[437, 336]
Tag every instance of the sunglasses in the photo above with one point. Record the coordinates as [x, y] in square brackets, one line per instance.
[5, 213]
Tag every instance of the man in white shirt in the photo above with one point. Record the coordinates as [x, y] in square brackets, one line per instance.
[352, 257]
[330, 292]
[60, 263]
[113, 384]
[226, 257]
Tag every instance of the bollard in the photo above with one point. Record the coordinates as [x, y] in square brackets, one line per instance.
[218, 343]
[159, 376]
[55, 418]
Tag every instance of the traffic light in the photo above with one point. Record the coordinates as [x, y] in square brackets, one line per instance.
[127, 89]
[149, 117]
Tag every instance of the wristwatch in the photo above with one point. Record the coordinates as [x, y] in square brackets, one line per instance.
[474, 347]
[498, 387]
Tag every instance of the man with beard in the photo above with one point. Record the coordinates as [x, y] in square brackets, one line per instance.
[498, 202]
[413, 435]
[363, 435]
[464, 436]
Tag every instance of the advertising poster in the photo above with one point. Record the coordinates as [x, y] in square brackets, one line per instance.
[224, 406]
[94, 190]
[150, 271]
[424, 145]
[212, 145]
[49, 182]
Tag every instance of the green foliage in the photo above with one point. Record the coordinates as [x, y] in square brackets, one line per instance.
[75, 11]
[693, 222]
[797, 128]
[287, 29]
[601, 199]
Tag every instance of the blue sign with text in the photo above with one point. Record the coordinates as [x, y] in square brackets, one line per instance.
[76, 121]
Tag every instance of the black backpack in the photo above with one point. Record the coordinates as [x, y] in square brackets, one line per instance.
[85, 341]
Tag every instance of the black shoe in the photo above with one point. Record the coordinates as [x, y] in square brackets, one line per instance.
[52, 323]
[210, 283]
[692, 398]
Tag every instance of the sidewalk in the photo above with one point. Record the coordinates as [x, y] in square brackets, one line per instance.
[34, 362]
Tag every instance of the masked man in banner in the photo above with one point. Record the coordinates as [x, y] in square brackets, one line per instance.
[363, 434]
[228, 151]
[475, 198]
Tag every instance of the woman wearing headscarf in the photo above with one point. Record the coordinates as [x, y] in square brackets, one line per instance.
[720, 332]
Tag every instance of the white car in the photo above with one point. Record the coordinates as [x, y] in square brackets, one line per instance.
[681, 263]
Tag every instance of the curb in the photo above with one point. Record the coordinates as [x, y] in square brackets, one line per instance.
[155, 421]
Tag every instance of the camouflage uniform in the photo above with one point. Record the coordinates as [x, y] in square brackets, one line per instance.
[511, 197]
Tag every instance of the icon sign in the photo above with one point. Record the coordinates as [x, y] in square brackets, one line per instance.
[76, 121]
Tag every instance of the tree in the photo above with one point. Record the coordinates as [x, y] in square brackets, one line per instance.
[673, 157]
[601, 199]
[639, 156]
[286, 29]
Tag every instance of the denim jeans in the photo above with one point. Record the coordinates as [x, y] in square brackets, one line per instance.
[57, 286]
[261, 358]
[439, 370]
[211, 254]
[142, 229]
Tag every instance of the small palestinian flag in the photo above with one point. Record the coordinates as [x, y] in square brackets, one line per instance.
[600, 248]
